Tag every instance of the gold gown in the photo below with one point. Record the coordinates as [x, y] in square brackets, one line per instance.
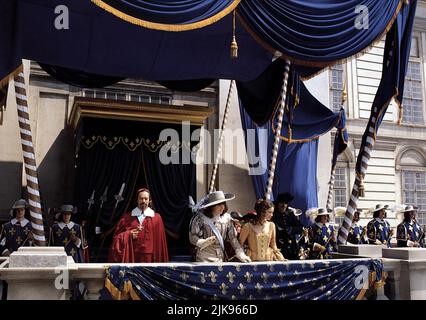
[261, 245]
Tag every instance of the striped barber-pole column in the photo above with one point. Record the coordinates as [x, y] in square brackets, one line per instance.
[222, 131]
[276, 145]
[365, 154]
[29, 161]
[330, 189]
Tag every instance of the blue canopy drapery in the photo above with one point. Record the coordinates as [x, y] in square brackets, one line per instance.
[296, 167]
[98, 42]
[319, 32]
[314, 280]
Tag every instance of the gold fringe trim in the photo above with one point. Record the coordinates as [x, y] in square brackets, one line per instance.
[5, 80]
[321, 64]
[163, 26]
[127, 293]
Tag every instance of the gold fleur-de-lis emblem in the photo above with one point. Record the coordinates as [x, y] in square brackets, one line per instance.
[59, 233]
[241, 288]
[233, 297]
[26, 230]
[121, 273]
[305, 280]
[312, 265]
[283, 296]
[237, 268]
[184, 276]
[195, 288]
[248, 276]
[281, 276]
[264, 277]
[223, 287]
[220, 268]
[258, 287]
[202, 277]
[274, 287]
[322, 288]
[267, 297]
[254, 267]
[325, 238]
[230, 277]
[72, 252]
[12, 232]
[271, 267]
[328, 293]
[296, 273]
[19, 240]
[298, 292]
[215, 297]
[328, 231]
[290, 284]
[212, 276]
[250, 297]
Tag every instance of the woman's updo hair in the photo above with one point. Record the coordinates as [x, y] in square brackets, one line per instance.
[260, 207]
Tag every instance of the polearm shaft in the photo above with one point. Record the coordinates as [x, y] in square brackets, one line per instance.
[275, 148]
[219, 148]
[29, 161]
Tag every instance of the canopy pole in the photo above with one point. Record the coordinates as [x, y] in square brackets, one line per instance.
[219, 148]
[364, 154]
[29, 161]
[273, 162]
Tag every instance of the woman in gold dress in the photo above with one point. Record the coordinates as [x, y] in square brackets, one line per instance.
[260, 234]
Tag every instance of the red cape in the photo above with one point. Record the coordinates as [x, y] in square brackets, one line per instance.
[150, 246]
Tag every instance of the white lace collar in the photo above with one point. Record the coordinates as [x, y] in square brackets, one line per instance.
[69, 225]
[23, 222]
[136, 212]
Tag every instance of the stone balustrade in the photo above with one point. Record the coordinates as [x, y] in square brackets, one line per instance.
[48, 273]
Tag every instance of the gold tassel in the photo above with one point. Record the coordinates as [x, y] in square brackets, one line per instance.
[234, 44]
[361, 188]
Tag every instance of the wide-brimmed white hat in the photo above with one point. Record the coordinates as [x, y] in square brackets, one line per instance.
[217, 197]
[408, 209]
[380, 207]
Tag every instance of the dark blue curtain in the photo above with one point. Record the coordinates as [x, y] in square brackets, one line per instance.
[310, 280]
[296, 167]
[99, 43]
[169, 11]
[317, 32]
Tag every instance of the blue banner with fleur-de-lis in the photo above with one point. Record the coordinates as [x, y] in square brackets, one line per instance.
[307, 280]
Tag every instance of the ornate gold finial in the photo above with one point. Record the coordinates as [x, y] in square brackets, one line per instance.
[234, 45]
[344, 93]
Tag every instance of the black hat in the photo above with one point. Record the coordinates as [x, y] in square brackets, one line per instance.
[285, 197]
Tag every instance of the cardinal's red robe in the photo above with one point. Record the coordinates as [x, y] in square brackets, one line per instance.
[150, 245]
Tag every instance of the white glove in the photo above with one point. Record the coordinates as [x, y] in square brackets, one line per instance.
[5, 253]
[242, 256]
[204, 243]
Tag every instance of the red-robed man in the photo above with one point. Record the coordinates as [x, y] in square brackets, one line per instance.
[139, 235]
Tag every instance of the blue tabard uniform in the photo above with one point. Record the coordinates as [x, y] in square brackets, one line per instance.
[410, 231]
[60, 236]
[15, 234]
[323, 235]
[378, 229]
[355, 234]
